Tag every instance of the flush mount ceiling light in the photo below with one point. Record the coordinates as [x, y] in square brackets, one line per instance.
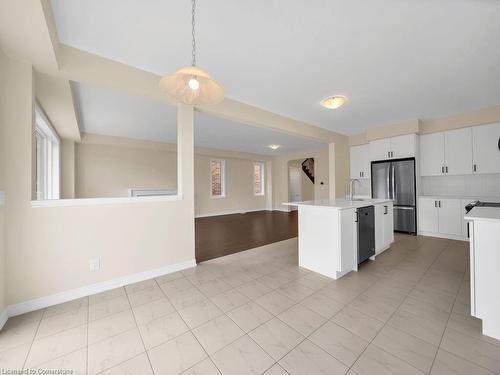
[274, 147]
[192, 85]
[333, 102]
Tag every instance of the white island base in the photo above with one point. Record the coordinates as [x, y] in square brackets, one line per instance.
[484, 229]
[328, 234]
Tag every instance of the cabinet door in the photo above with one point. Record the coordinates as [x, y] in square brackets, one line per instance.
[379, 227]
[432, 154]
[359, 161]
[388, 224]
[355, 161]
[486, 148]
[365, 161]
[379, 149]
[403, 146]
[458, 151]
[450, 221]
[427, 215]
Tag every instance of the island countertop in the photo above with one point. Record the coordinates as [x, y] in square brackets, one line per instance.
[484, 213]
[339, 204]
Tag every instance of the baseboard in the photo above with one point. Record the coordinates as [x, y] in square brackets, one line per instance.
[4, 315]
[231, 212]
[445, 236]
[69, 295]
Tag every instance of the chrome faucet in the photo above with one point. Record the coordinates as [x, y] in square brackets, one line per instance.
[351, 188]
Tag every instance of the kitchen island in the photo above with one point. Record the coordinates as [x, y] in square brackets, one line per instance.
[484, 229]
[328, 233]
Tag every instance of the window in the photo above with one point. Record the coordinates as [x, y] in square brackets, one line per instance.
[258, 178]
[217, 178]
[47, 157]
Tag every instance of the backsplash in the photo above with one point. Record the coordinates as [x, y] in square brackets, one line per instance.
[363, 187]
[487, 185]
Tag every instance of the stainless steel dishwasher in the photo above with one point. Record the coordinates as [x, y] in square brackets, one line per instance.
[366, 233]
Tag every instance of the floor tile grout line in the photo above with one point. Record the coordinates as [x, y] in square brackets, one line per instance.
[371, 341]
[33, 340]
[445, 327]
[137, 327]
[191, 332]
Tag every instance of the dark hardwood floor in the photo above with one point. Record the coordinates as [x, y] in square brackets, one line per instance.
[217, 236]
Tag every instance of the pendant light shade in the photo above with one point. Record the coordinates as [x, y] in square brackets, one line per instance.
[193, 86]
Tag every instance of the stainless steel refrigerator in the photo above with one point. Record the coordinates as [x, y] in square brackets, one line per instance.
[396, 180]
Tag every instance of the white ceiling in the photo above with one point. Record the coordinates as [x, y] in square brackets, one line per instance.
[110, 112]
[393, 59]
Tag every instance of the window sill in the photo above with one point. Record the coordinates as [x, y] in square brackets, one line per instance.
[217, 196]
[102, 201]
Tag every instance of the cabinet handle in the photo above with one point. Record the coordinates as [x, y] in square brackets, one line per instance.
[392, 154]
[435, 203]
[446, 168]
[442, 169]
[475, 167]
[357, 217]
[385, 210]
[388, 154]
[439, 204]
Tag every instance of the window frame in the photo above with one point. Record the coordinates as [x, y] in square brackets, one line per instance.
[222, 178]
[48, 146]
[262, 167]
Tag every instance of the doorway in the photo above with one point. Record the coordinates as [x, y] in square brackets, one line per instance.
[301, 180]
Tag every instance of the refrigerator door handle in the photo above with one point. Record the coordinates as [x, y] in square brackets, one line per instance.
[388, 182]
[393, 178]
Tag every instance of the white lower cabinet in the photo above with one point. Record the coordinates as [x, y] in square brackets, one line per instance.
[442, 217]
[384, 228]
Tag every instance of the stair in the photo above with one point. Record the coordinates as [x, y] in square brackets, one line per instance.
[308, 168]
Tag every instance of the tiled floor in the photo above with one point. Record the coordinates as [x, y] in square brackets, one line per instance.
[257, 312]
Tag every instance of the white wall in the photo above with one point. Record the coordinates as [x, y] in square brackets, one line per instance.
[487, 185]
[48, 248]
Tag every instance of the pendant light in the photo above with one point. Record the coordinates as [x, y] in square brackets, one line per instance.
[192, 85]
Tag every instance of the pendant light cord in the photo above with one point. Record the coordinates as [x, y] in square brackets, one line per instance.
[193, 10]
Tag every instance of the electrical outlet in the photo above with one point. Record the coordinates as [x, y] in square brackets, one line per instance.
[95, 264]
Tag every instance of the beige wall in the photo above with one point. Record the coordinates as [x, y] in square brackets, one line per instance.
[109, 166]
[3, 73]
[239, 187]
[48, 248]
[67, 169]
[460, 120]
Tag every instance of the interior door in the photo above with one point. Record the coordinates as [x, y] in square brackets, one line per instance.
[403, 182]
[458, 151]
[381, 183]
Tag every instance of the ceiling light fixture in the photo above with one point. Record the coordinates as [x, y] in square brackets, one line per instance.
[192, 85]
[333, 102]
[274, 147]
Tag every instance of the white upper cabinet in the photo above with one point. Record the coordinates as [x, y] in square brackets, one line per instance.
[402, 146]
[360, 161]
[458, 151]
[432, 154]
[446, 153]
[486, 148]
